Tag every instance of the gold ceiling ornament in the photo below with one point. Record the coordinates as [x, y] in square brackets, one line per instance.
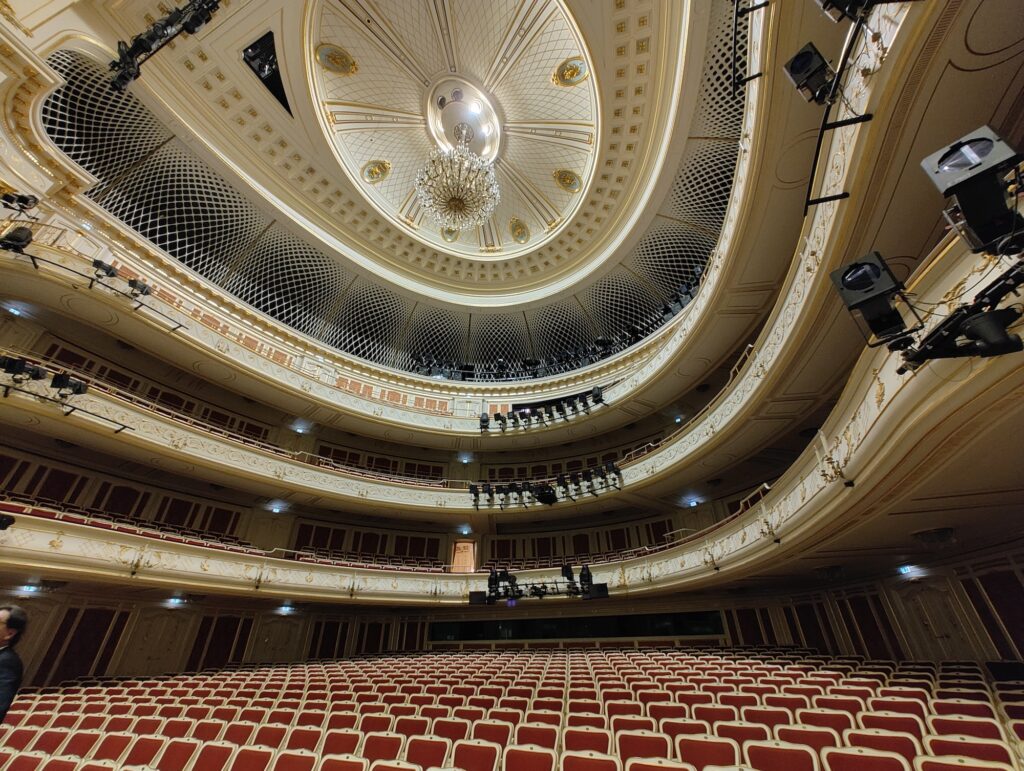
[519, 231]
[569, 181]
[571, 72]
[376, 171]
[450, 235]
[336, 59]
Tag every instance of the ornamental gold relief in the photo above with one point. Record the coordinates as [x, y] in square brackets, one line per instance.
[571, 72]
[336, 59]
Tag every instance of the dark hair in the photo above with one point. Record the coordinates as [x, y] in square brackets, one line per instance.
[17, 619]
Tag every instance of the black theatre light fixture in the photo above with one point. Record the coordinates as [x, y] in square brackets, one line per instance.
[485, 421]
[19, 202]
[868, 288]
[837, 10]
[103, 269]
[971, 173]
[21, 370]
[6, 520]
[16, 239]
[811, 74]
[65, 385]
[138, 287]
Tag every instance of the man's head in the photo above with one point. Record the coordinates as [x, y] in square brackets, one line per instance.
[13, 621]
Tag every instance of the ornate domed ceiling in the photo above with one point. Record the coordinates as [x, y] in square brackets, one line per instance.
[634, 240]
[394, 79]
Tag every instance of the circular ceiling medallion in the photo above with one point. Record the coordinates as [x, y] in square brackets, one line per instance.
[571, 72]
[503, 68]
[336, 59]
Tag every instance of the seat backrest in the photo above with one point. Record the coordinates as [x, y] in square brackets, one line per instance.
[702, 750]
[741, 731]
[382, 745]
[676, 726]
[528, 757]
[540, 734]
[585, 738]
[427, 751]
[476, 755]
[252, 759]
[780, 756]
[900, 742]
[837, 720]
[970, 747]
[862, 759]
[270, 735]
[343, 763]
[818, 737]
[983, 728]
[295, 760]
[642, 744]
[341, 741]
[957, 763]
[588, 760]
[213, 756]
[304, 737]
[497, 731]
[178, 754]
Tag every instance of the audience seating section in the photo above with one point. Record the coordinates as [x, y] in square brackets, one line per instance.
[611, 709]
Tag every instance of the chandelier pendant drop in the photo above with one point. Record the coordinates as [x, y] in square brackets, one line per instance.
[456, 187]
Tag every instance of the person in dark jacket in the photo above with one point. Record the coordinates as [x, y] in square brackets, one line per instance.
[13, 621]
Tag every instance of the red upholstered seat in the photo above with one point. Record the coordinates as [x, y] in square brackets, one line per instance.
[706, 750]
[427, 751]
[862, 759]
[382, 745]
[740, 731]
[588, 761]
[539, 734]
[900, 742]
[529, 758]
[475, 755]
[818, 737]
[970, 747]
[780, 756]
[581, 738]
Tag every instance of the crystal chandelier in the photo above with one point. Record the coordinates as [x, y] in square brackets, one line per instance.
[456, 187]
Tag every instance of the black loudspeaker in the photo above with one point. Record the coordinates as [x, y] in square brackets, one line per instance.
[597, 592]
[867, 286]
[478, 598]
[545, 493]
[811, 74]
[970, 172]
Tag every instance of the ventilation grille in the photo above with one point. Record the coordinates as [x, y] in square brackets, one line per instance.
[155, 185]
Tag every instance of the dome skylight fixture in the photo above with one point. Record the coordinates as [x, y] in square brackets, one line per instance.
[457, 188]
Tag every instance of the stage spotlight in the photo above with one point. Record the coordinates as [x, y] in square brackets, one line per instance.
[502, 421]
[474, 490]
[597, 395]
[488, 490]
[970, 173]
[21, 370]
[16, 239]
[550, 412]
[485, 421]
[539, 591]
[567, 574]
[65, 385]
[867, 287]
[6, 520]
[811, 74]
[19, 202]
[103, 269]
[611, 468]
[514, 417]
[138, 288]
[546, 494]
[837, 10]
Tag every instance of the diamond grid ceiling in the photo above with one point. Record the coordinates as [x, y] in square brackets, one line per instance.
[155, 185]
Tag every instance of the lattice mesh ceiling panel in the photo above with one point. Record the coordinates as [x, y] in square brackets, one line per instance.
[440, 334]
[155, 185]
[371, 322]
[290, 281]
[560, 327]
[184, 207]
[102, 134]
